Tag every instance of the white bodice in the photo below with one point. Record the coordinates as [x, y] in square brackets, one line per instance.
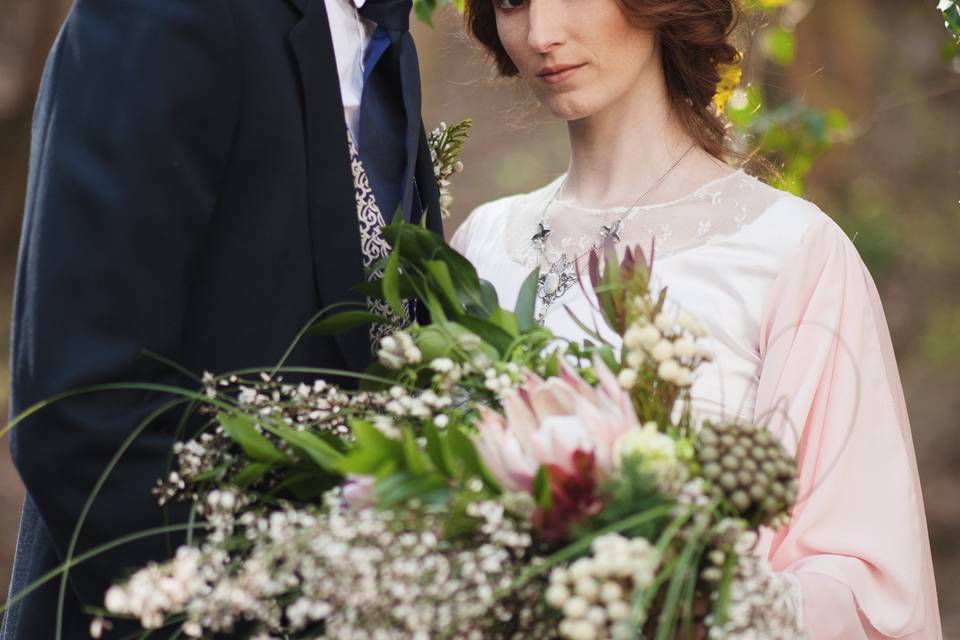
[717, 250]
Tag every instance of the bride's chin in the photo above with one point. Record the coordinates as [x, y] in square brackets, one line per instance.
[568, 108]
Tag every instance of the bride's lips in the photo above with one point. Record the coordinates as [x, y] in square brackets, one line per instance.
[558, 73]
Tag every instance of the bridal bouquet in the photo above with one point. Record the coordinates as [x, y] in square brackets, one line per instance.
[485, 479]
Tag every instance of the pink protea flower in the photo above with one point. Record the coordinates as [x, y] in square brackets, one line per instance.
[546, 421]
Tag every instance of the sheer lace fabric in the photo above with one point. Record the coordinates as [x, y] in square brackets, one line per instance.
[713, 211]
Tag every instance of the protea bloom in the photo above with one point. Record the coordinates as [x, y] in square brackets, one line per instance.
[545, 422]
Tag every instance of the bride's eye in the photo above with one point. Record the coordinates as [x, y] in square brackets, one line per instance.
[509, 4]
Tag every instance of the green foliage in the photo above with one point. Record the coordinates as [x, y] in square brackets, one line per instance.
[951, 16]
[424, 9]
[794, 135]
[242, 429]
[462, 307]
[438, 473]
[631, 491]
[778, 44]
[791, 134]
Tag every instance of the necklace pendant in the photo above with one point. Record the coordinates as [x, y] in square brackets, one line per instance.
[542, 233]
[612, 231]
[556, 281]
[551, 282]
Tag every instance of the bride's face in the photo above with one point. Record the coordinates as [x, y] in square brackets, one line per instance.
[578, 56]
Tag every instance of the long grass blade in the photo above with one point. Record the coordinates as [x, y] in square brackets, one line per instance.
[92, 553]
[146, 422]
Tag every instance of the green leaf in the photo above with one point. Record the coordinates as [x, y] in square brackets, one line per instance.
[441, 277]
[391, 282]
[527, 302]
[373, 452]
[307, 485]
[489, 333]
[463, 449]
[311, 445]
[424, 9]
[345, 321]
[418, 244]
[412, 456]
[506, 321]
[438, 450]
[241, 428]
[488, 294]
[251, 474]
[216, 473]
[541, 488]
[401, 487]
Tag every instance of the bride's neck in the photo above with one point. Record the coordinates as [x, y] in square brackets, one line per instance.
[622, 150]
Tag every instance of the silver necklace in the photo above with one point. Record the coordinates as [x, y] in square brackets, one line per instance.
[561, 274]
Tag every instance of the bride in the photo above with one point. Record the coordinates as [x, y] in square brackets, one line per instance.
[795, 321]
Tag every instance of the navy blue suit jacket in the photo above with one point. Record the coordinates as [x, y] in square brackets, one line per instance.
[190, 194]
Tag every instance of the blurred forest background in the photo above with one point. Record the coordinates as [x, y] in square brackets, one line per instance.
[857, 100]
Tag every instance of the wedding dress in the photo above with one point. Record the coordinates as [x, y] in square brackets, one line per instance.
[801, 343]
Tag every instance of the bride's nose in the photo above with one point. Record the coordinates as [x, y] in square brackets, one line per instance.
[545, 25]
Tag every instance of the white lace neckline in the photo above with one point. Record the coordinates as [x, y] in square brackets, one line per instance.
[715, 209]
[566, 204]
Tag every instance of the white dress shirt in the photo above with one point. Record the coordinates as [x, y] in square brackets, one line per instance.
[351, 35]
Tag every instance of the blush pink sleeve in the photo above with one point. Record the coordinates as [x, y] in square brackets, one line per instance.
[857, 543]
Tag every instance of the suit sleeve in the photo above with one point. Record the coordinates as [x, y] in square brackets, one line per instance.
[132, 136]
[857, 543]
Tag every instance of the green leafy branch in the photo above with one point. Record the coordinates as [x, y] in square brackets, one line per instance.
[424, 9]
[951, 17]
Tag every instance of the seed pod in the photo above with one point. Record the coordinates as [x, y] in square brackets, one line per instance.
[709, 454]
[740, 500]
[707, 437]
[747, 466]
[728, 481]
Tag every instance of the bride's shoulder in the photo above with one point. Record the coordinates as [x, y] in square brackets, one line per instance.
[490, 217]
[798, 225]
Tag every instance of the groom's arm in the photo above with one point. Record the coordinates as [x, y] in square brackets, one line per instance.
[132, 135]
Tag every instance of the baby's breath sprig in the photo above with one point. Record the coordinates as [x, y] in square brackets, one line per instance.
[446, 142]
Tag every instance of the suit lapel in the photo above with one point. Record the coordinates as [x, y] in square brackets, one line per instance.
[334, 227]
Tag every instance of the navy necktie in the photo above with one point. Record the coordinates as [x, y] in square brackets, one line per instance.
[390, 107]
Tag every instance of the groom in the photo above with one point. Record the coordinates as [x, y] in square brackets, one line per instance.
[190, 195]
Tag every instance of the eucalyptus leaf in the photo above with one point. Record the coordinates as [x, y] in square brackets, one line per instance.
[345, 321]
[489, 333]
[242, 430]
[464, 450]
[440, 274]
[251, 474]
[527, 302]
[438, 449]
[391, 282]
[311, 445]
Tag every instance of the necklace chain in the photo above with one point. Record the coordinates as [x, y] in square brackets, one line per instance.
[561, 273]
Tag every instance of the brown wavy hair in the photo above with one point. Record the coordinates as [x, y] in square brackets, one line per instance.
[694, 37]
